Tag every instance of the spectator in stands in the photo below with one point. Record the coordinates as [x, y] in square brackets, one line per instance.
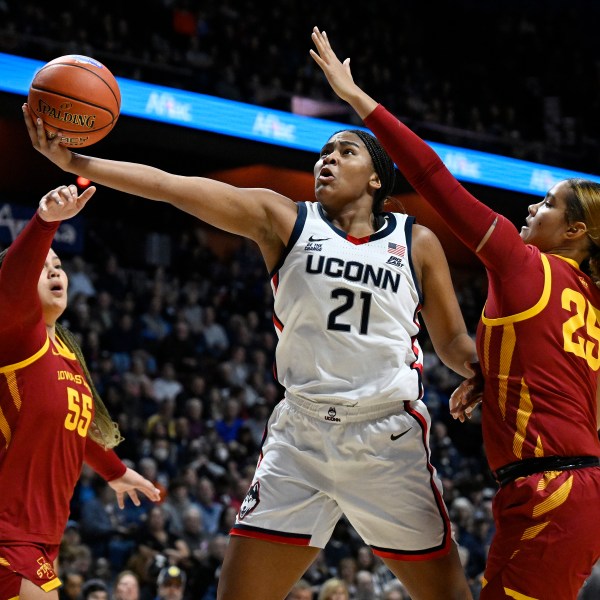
[126, 586]
[170, 583]
[194, 411]
[122, 339]
[178, 347]
[194, 535]
[301, 591]
[228, 426]
[94, 589]
[72, 584]
[210, 507]
[177, 502]
[365, 585]
[154, 542]
[205, 573]
[213, 334]
[334, 589]
[166, 385]
[394, 590]
[154, 326]
[80, 282]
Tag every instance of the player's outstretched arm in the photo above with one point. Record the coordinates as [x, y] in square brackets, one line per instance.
[259, 214]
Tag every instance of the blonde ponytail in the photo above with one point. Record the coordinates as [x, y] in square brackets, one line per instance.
[103, 429]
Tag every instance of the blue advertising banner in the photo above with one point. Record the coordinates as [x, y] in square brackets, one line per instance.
[13, 217]
[227, 117]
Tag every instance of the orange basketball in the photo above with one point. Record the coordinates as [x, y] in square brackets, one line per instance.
[77, 96]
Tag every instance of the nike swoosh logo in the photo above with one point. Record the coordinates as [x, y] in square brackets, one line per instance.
[395, 437]
[314, 239]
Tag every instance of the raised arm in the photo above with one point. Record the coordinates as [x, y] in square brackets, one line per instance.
[22, 329]
[259, 214]
[472, 221]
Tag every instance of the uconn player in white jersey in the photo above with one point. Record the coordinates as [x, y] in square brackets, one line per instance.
[351, 436]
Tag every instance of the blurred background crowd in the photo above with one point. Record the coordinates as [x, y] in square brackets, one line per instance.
[179, 336]
[519, 78]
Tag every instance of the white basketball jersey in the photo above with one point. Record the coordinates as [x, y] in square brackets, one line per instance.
[346, 313]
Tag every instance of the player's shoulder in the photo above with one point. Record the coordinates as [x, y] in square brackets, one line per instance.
[423, 235]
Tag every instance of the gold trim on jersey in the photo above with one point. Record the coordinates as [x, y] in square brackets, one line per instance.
[507, 348]
[523, 413]
[52, 584]
[572, 262]
[517, 595]
[6, 433]
[27, 361]
[547, 478]
[536, 308]
[13, 388]
[63, 349]
[534, 530]
[555, 499]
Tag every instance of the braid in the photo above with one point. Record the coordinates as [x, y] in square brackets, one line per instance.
[103, 430]
[594, 266]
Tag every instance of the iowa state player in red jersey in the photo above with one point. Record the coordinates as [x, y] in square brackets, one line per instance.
[51, 418]
[539, 349]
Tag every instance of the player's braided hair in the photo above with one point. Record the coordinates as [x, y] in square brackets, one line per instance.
[384, 167]
[583, 204]
[103, 429]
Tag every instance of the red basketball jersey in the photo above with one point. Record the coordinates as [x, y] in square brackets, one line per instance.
[46, 405]
[541, 367]
[539, 337]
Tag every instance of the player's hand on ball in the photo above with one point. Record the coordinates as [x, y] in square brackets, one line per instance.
[50, 148]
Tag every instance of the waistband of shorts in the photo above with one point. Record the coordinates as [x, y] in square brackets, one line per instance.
[529, 466]
[343, 413]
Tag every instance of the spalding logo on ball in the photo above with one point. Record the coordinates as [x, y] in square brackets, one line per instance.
[77, 96]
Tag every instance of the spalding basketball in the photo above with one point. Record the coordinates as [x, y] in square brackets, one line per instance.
[77, 96]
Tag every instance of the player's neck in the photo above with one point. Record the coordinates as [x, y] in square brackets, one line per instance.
[51, 329]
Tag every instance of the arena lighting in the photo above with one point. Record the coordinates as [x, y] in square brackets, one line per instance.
[238, 119]
[83, 182]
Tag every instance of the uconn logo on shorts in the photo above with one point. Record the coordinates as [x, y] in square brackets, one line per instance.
[332, 415]
[250, 501]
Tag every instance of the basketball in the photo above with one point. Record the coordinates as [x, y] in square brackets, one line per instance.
[78, 96]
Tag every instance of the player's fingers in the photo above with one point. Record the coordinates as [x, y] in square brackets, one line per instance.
[134, 497]
[86, 194]
[56, 195]
[68, 193]
[151, 492]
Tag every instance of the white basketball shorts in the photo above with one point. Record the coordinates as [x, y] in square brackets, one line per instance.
[319, 462]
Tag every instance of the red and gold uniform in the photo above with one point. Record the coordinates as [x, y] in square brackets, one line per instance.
[538, 342]
[46, 409]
